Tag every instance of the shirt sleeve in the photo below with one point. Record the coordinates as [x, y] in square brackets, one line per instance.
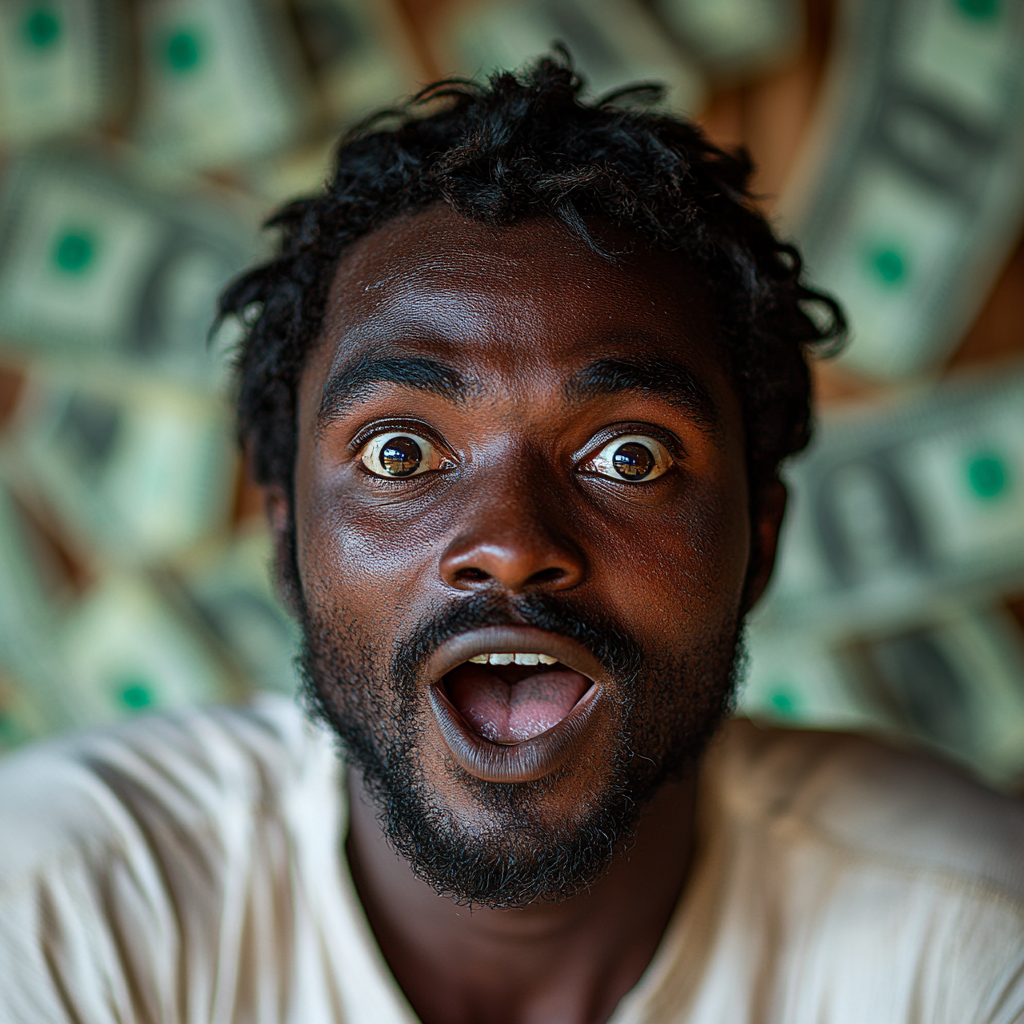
[148, 872]
[88, 939]
[987, 966]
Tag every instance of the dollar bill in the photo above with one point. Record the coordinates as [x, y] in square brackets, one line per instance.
[24, 608]
[299, 172]
[21, 719]
[222, 81]
[31, 671]
[94, 265]
[909, 192]
[63, 67]
[733, 38]
[800, 680]
[231, 593]
[614, 43]
[361, 54]
[954, 683]
[958, 685]
[895, 506]
[126, 653]
[134, 468]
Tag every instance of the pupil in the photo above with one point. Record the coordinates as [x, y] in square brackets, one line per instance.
[401, 456]
[633, 461]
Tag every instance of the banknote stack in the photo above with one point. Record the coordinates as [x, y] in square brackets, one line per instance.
[143, 141]
[118, 457]
[909, 194]
[903, 552]
[905, 526]
[128, 580]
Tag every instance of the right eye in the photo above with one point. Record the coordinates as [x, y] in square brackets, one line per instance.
[631, 458]
[399, 454]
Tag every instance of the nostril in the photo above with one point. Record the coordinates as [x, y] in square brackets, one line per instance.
[551, 575]
[471, 575]
[473, 563]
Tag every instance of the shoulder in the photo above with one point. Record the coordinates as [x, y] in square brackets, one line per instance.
[122, 788]
[130, 854]
[875, 803]
[873, 883]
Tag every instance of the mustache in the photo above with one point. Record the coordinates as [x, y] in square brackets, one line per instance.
[619, 652]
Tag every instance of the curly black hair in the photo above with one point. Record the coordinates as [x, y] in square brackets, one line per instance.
[523, 145]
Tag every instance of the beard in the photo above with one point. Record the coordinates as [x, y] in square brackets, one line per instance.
[667, 702]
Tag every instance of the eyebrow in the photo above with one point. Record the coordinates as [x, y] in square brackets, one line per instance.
[360, 376]
[661, 377]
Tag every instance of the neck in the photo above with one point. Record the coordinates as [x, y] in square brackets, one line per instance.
[570, 962]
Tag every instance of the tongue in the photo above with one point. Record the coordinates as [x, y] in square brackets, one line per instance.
[511, 704]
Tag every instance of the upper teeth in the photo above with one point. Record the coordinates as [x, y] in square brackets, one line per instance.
[509, 659]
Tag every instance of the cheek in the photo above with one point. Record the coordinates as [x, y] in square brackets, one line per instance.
[682, 572]
[362, 560]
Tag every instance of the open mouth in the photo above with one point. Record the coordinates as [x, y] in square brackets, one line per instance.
[514, 703]
[508, 697]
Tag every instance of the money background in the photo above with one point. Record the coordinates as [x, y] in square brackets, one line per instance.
[142, 142]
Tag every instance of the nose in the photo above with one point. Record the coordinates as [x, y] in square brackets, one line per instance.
[517, 547]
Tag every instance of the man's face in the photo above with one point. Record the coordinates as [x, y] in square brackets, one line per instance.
[521, 536]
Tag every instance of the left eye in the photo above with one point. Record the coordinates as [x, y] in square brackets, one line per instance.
[398, 454]
[633, 459]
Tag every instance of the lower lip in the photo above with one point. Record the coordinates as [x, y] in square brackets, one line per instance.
[514, 762]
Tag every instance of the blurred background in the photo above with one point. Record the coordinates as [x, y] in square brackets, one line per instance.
[143, 141]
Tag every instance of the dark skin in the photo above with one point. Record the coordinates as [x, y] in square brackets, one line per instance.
[515, 502]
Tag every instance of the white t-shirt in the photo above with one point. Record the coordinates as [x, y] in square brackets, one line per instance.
[190, 868]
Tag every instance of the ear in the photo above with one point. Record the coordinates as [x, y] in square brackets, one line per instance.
[277, 506]
[770, 506]
[278, 512]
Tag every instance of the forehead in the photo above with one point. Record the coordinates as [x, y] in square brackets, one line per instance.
[526, 295]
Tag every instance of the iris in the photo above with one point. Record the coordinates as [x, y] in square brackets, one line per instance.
[401, 456]
[633, 461]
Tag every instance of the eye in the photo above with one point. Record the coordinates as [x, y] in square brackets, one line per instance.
[398, 454]
[632, 458]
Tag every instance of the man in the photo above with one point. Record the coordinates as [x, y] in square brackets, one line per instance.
[517, 385]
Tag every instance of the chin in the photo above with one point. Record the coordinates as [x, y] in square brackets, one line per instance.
[507, 844]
